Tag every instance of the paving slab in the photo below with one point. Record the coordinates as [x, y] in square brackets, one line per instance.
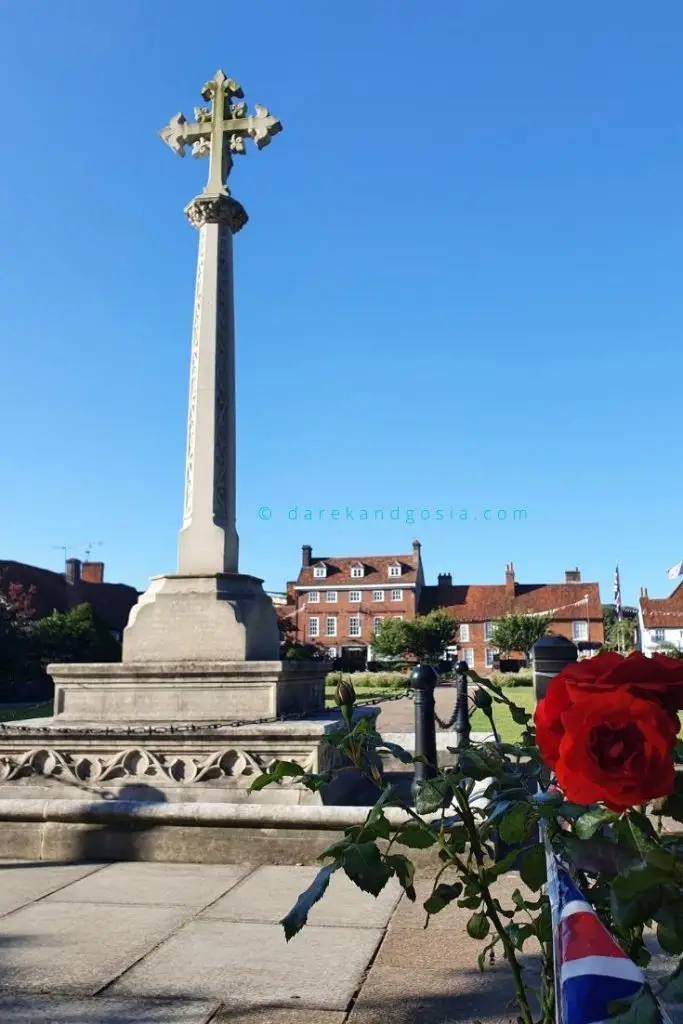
[276, 1015]
[77, 948]
[270, 892]
[403, 995]
[22, 882]
[103, 1010]
[253, 964]
[155, 884]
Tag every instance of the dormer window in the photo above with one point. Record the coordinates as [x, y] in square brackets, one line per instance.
[320, 571]
[394, 571]
[357, 571]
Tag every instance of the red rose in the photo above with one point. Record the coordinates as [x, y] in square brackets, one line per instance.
[617, 749]
[548, 719]
[658, 677]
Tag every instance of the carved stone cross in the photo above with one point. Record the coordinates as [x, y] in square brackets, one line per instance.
[220, 129]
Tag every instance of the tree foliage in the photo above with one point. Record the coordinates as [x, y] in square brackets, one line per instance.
[425, 637]
[74, 636]
[519, 632]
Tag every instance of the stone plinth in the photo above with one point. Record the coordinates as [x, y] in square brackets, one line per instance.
[52, 758]
[224, 618]
[188, 692]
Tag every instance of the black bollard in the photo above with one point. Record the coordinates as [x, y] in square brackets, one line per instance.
[550, 655]
[422, 683]
[462, 711]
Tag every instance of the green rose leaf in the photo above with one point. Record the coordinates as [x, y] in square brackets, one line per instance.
[433, 794]
[643, 1010]
[588, 824]
[638, 878]
[404, 870]
[669, 940]
[629, 912]
[532, 868]
[476, 765]
[415, 837]
[478, 926]
[518, 823]
[672, 990]
[470, 902]
[598, 856]
[518, 934]
[363, 864]
[398, 752]
[294, 921]
[277, 771]
[442, 896]
[519, 715]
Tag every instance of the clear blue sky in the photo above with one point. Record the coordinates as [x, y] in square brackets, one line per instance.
[460, 284]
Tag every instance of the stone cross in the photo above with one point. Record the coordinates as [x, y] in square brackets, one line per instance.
[208, 544]
[218, 132]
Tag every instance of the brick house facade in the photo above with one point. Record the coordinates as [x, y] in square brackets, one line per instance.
[574, 605]
[339, 602]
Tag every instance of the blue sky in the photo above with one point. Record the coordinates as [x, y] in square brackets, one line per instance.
[460, 285]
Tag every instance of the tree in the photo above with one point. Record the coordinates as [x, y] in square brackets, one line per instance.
[17, 655]
[620, 635]
[424, 638]
[519, 633]
[74, 636]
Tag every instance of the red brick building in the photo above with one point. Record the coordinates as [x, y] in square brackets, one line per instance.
[339, 602]
[80, 583]
[575, 607]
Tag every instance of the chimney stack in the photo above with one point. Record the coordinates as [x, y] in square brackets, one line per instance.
[510, 579]
[445, 579]
[417, 547]
[572, 576]
[643, 591]
[306, 555]
[92, 572]
[72, 570]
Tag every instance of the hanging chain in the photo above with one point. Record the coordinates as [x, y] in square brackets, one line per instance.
[11, 728]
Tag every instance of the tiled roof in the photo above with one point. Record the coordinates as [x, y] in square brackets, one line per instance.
[482, 602]
[663, 612]
[376, 570]
[111, 602]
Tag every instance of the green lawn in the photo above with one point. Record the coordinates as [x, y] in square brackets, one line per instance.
[15, 712]
[508, 730]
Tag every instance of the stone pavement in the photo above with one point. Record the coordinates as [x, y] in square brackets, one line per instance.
[192, 944]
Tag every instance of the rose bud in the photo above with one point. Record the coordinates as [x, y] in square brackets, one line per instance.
[344, 695]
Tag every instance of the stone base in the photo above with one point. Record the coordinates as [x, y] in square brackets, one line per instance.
[227, 617]
[52, 759]
[188, 691]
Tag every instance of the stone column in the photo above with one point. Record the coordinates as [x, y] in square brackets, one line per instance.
[208, 542]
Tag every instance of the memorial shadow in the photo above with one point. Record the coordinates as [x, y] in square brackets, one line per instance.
[116, 839]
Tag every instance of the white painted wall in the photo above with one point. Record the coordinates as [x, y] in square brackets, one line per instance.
[649, 645]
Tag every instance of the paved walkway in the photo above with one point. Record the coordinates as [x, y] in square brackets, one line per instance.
[192, 944]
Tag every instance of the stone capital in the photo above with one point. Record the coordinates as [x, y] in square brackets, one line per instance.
[216, 210]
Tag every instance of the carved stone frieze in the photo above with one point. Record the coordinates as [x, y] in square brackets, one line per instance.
[135, 764]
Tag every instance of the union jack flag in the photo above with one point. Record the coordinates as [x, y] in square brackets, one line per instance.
[617, 593]
[591, 968]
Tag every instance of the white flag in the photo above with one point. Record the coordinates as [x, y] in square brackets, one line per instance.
[675, 570]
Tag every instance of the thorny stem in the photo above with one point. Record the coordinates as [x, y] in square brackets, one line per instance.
[510, 952]
[479, 877]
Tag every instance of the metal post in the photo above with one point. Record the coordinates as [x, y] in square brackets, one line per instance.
[422, 682]
[549, 656]
[462, 711]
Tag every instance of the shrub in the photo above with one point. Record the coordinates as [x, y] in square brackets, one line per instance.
[522, 678]
[369, 680]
